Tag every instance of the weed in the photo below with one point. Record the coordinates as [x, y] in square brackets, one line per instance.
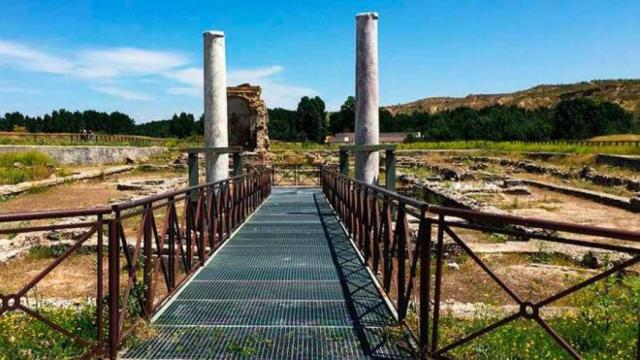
[16, 167]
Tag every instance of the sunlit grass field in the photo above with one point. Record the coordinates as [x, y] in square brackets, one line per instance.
[476, 144]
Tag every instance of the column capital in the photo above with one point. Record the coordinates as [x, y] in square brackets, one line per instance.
[373, 15]
[213, 33]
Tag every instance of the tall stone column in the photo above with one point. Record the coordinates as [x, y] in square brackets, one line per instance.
[215, 104]
[367, 122]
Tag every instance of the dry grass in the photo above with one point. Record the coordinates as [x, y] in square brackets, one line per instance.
[617, 137]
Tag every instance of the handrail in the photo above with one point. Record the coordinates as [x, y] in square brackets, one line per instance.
[155, 255]
[504, 218]
[409, 264]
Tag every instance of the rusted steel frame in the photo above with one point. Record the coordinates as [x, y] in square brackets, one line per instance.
[172, 243]
[178, 239]
[377, 228]
[176, 193]
[535, 307]
[357, 218]
[542, 236]
[476, 334]
[39, 215]
[572, 289]
[20, 230]
[220, 214]
[382, 191]
[147, 266]
[53, 325]
[368, 225]
[424, 239]
[535, 223]
[515, 220]
[482, 265]
[202, 227]
[401, 239]
[57, 261]
[225, 210]
[386, 237]
[438, 284]
[100, 285]
[132, 280]
[159, 240]
[211, 218]
[188, 231]
[563, 343]
[414, 260]
[114, 288]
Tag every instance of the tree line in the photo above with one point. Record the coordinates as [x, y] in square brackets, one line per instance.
[569, 119]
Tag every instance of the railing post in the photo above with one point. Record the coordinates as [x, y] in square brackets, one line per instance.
[100, 284]
[390, 169]
[172, 243]
[193, 172]
[238, 164]
[424, 242]
[438, 284]
[114, 289]
[401, 258]
[147, 275]
[344, 162]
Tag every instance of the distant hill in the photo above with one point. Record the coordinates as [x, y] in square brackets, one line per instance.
[625, 93]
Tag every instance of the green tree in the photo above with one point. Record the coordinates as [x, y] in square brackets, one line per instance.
[282, 124]
[345, 119]
[311, 120]
[182, 126]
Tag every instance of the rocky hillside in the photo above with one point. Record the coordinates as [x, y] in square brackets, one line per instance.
[625, 93]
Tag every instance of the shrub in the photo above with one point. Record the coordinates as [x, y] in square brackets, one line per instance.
[16, 167]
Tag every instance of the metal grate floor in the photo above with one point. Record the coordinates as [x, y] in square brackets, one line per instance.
[287, 285]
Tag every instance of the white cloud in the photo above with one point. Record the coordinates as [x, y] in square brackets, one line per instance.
[275, 92]
[126, 62]
[107, 69]
[253, 75]
[32, 59]
[18, 90]
[192, 77]
[122, 93]
[104, 63]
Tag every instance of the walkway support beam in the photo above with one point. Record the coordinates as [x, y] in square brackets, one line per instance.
[215, 105]
[367, 119]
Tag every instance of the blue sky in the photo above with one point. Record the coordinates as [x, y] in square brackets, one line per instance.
[145, 57]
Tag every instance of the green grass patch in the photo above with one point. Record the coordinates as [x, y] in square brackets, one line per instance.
[521, 147]
[22, 337]
[16, 167]
[605, 326]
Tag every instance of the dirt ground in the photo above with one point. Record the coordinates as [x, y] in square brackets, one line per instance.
[76, 195]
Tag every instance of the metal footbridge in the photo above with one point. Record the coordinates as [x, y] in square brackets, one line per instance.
[288, 284]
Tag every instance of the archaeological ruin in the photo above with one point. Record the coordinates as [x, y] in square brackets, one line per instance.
[248, 118]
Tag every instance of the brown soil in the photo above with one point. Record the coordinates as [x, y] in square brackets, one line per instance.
[550, 205]
[74, 278]
[75, 195]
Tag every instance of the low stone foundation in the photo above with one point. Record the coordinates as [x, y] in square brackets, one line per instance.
[89, 155]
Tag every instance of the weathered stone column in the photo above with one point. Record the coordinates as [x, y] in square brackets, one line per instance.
[367, 123]
[215, 104]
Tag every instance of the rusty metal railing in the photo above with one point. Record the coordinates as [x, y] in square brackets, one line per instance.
[409, 264]
[159, 241]
[295, 175]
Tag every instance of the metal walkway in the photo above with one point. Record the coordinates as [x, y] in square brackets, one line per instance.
[287, 285]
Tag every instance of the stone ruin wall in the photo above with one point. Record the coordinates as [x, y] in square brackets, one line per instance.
[248, 119]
